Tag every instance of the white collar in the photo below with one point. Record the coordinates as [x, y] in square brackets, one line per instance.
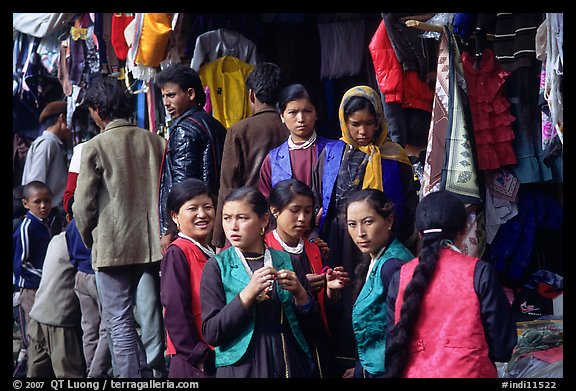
[292, 250]
[206, 250]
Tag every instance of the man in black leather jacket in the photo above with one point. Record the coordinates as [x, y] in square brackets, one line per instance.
[195, 138]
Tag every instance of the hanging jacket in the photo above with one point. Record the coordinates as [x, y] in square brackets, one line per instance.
[397, 85]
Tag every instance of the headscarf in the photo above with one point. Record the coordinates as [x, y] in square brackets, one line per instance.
[381, 146]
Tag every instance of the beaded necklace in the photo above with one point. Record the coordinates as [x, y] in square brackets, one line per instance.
[292, 250]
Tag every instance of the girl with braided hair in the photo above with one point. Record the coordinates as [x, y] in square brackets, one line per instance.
[447, 313]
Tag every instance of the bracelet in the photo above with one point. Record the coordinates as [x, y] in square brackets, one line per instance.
[306, 307]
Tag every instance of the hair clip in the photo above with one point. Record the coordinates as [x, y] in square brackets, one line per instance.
[432, 230]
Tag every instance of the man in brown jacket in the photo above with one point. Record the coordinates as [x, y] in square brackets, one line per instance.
[248, 141]
[116, 212]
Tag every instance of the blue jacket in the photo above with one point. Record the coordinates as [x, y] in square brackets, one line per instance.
[30, 242]
[280, 164]
[80, 255]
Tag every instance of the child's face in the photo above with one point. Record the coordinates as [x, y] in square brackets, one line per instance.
[300, 118]
[39, 202]
[293, 221]
[243, 227]
[196, 218]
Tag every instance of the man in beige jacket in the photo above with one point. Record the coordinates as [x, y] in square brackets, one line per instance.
[116, 212]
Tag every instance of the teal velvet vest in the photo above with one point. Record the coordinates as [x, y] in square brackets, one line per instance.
[234, 279]
[369, 312]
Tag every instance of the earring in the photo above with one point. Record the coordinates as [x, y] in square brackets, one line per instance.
[262, 231]
[178, 225]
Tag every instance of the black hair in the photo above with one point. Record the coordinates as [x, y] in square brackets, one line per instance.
[266, 82]
[378, 201]
[83, 126]
[32, 186]
[182, 192]
[357, 103]
[110, 98]
[252, 196]
[438, 210]
[284, 191]
[294, 92]
[185, 77]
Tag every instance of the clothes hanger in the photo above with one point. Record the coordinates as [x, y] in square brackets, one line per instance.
[424, 26]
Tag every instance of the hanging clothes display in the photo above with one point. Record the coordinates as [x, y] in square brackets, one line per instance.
[491, 117]
[119, 23]
[223, 42]
[103, 32]
[450, 163]
[225, 77]
[84, 60]
[407, 98]
[152, 37]
[41, 24]
[554, 66]
[339, 40]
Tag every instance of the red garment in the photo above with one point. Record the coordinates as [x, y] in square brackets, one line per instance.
[196, 261]
[491, 116]
[315, 258]
[70, 187]
[448, 339]
[397, 85]
[119, 23]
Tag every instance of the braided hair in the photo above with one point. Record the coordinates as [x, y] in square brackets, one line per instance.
[440, 217]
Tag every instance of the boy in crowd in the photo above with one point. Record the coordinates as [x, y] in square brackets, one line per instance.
[30, 242]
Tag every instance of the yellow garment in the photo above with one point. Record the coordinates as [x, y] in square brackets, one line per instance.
[226, 79]
[154, 36]
[381, 147]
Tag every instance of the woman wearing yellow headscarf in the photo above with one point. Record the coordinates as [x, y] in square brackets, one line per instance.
[364, 157]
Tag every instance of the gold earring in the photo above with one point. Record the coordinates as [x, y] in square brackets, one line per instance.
[178, 225]
[262, 231]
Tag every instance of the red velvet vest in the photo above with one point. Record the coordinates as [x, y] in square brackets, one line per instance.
[196, 261]
[448, 338]
[314, 257]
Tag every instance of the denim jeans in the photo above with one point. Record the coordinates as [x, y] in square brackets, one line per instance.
[117, 292]
[149, 316]
[94, 336]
